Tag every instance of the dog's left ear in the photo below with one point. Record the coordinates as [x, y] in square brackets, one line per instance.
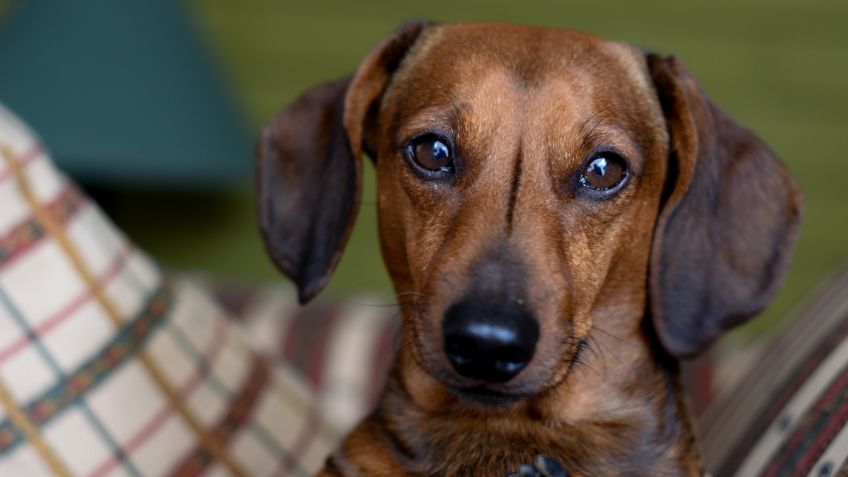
[728, 222]
[309, 172]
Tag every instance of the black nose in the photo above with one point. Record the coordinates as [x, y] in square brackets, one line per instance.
[489, 341]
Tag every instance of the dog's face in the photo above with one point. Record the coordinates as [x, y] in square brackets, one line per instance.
[535, 187]
[519, 180]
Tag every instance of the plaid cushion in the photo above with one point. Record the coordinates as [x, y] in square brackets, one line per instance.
[342, 348]
[788, 414]
[108, 367]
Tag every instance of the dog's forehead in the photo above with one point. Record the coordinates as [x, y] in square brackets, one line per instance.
[553, 76]
[450, 58]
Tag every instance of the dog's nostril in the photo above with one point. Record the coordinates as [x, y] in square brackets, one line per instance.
[488, 342]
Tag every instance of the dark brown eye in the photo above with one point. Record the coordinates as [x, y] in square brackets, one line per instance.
[432, 154]
[605, 171]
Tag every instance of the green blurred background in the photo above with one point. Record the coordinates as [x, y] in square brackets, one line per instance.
[780, 67]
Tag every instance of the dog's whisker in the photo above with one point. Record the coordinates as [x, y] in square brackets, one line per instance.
[612, 335]
[579, 360]
[376, 305]
[603, 349]
[412, 293]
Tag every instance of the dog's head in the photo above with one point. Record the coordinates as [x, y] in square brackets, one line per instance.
[535, 187]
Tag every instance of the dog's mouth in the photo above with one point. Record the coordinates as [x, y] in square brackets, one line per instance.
[488, 397]
[499, 396]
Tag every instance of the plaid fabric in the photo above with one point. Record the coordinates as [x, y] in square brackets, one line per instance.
[744, 392]
[788, 414]
[342, 348]
[110, 368]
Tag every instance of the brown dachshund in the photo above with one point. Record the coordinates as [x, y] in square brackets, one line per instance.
[563, 218]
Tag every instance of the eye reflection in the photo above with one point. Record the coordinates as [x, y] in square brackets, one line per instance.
[604, 172]
[432, 154]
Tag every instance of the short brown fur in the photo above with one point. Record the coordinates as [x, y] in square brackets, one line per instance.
[696, 242]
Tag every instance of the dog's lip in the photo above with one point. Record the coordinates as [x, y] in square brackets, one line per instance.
[487, 396]
[482, 391]
[505, 394]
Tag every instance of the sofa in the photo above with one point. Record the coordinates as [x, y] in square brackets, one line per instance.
[110, 365]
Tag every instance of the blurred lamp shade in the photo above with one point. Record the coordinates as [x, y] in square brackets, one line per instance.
[122, 92]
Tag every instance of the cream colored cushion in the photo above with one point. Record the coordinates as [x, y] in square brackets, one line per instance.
[108, 367]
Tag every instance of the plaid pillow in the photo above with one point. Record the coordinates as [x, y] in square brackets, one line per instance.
[342, 348]
[788, 415]
[108, 367]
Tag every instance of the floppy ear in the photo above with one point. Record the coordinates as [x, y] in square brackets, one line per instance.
[728, 223]
[309, 172]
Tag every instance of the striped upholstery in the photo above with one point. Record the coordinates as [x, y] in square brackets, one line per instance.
[343, 349]
[788, 415]
[110, 368]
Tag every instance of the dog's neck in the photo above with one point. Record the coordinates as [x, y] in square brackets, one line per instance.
[622, 412]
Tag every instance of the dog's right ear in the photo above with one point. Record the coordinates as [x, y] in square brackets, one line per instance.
[309, 169]
[728, 224]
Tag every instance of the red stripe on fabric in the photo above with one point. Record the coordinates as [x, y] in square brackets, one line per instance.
[787, 391]
[828, 434]
[234, 299]
[239, 412]
[301, 343]
[135, 441]
[301, 444]
[290, 341]
[75, 304]
[186, 390]
[836, 422]
[701, 386]
[318, 351]
[29, 156]
[832, 397]
[383, 358]
[30, 232]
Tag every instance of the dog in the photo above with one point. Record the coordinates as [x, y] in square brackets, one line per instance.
[563, 219]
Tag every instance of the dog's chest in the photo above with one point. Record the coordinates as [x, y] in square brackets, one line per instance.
[497, 448]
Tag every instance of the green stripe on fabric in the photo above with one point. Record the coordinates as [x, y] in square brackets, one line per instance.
[126, 343]
[239, 410]
[30, 231]
[262, 434]
[57, 371]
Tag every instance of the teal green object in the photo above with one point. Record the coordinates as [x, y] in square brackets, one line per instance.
[123, 92]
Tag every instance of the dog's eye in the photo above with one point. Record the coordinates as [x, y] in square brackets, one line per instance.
[432, 154]
[605, 171]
